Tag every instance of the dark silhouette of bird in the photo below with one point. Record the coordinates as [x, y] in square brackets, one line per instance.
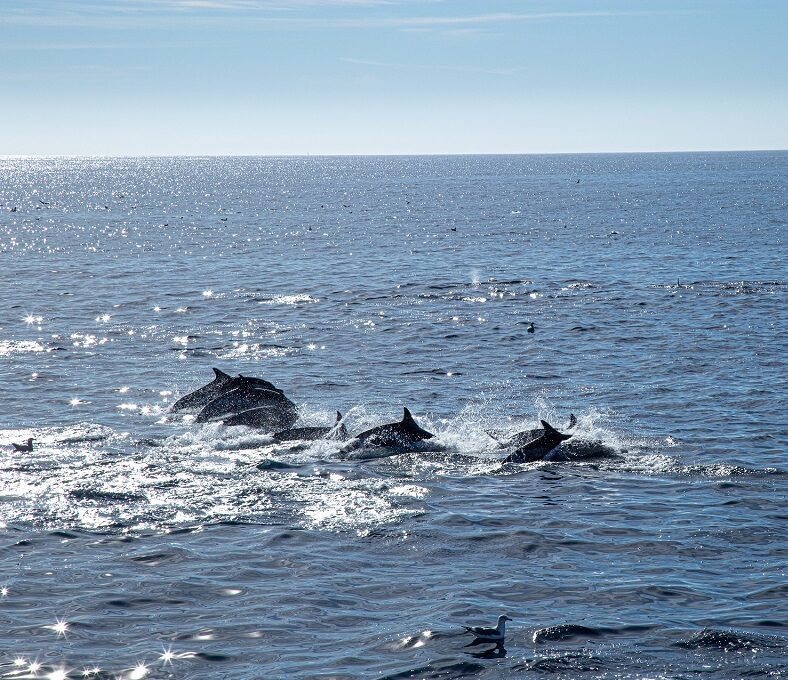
[24, 448]
[531, 328]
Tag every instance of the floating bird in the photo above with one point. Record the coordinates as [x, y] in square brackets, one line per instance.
[454, 228]
[531, 328]
[496, 634]
[24, 448]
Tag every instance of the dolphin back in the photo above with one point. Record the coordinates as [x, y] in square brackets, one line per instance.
[200, 397]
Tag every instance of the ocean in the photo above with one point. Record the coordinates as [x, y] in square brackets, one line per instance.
[135, 543]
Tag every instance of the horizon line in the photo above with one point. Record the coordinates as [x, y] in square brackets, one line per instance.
[392, 155]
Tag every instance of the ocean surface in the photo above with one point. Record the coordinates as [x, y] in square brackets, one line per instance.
[135, 543]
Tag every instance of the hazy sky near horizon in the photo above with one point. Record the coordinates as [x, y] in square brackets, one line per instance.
[117, 77]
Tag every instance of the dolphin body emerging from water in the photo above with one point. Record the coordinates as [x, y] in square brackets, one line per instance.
[338, 432]
[538, 448]
[244, 398]
[206, 393]
[222, 383]
[401, 434]
[520, 439]
[268, 418]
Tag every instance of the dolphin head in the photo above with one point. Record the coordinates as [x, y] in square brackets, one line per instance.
[412, 428]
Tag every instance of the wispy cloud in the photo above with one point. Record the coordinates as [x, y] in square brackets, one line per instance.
[268, 14]
[435, 67]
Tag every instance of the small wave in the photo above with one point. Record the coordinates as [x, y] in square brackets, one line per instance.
[9, 347]
[246, 350]
[439, 669]
[570, 631]
[660, 464]
[726, 287]
[571, 663]
[298, 299]
[271, 464]
[96, 495]
[729, 641]
[567, 631]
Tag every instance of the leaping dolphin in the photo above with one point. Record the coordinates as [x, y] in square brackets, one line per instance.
[520, 439]
[242, 399]
[338, 431]
[206, 393]
[538, 448]
[401, 434]
[222, 383]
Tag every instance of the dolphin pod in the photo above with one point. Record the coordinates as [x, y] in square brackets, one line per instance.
[258, 403]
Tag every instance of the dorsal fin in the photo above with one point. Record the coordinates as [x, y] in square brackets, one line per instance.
[548, 428]
[339, 416]
[406, 415]
[220, 375]
[550, 431]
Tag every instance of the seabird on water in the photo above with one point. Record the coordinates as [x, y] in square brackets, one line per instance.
[496, 634]
[24, 448]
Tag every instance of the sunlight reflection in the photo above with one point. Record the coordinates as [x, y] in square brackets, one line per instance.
[4, 591]
[60, 627]
[167, 655]
[58, 674]
[139, 671]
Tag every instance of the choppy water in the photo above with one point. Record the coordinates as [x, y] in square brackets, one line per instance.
[657, 284]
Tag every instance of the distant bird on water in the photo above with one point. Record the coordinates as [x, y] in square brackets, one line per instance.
[531, 328]
[24, 448]
[496, 634]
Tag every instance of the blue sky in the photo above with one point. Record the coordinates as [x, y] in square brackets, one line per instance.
[391, 76]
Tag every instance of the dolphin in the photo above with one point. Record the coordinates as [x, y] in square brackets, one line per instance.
[206, 393]
[222, 383]
[520, 439]
[268, 418]
[241, 399]
[338, 432]
[538, 448]
[401, 434]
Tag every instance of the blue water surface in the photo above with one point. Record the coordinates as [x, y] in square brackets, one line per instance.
[135, 543]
